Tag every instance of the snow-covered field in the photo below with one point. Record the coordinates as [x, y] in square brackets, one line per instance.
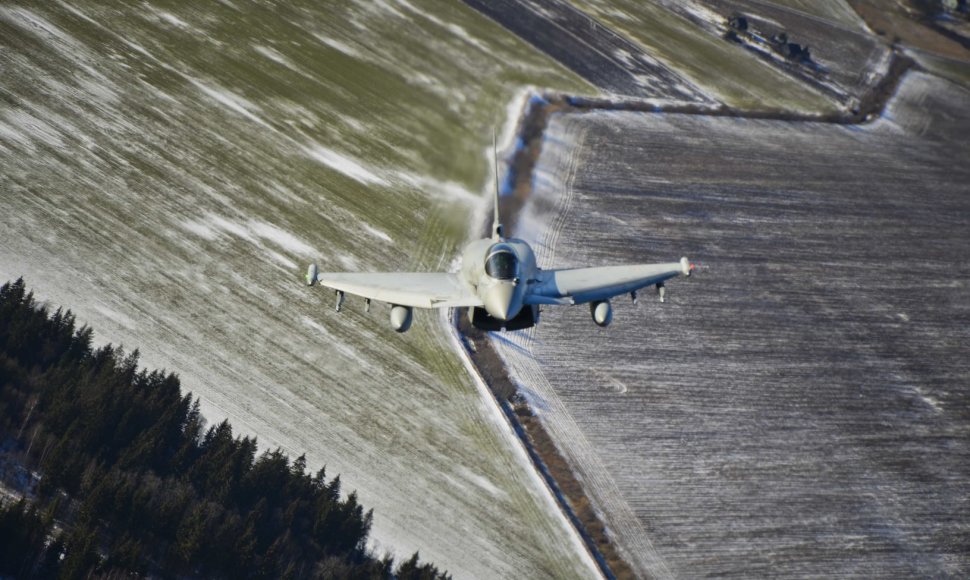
[799, 407]
[668, 30]
[846, 61]
[168, 170]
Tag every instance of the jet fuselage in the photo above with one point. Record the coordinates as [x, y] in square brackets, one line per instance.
[500, 271]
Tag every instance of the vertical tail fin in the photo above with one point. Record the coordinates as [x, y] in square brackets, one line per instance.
[498, 232]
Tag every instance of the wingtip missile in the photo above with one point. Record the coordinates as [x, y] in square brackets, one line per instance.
[685, 266]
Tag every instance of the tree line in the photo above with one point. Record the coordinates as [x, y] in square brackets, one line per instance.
[121, 476]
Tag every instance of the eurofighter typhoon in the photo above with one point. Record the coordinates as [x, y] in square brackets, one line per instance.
[500, 284]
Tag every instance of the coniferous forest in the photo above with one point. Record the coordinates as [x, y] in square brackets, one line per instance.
[120, 476]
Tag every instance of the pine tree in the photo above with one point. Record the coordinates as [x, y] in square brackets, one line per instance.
[144, 482]
[23, 530]
[82, 558]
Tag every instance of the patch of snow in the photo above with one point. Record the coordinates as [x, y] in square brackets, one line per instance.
[115, 316]
[482, 482]
[344, 164]
[445, 190]
[200, 229]
[339, 46]
[14, 137]
[276, 57]
[231, 227]
[77, 12]
[211, 226]
[173, 19]
[282, 260]
[451, 27]
[495, 415]
[933, 402]
[34, 128]
[376, 232]
[33, 23]
[624, 56]
[281, 238]
[348, 261]
[232, 101]
[333, 340]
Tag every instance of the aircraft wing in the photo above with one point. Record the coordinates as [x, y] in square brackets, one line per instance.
[581, 285]
[417, 289]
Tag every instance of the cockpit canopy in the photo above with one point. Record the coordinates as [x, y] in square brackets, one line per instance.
[501, 263]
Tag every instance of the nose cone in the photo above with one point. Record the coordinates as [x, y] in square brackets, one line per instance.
[498, 300]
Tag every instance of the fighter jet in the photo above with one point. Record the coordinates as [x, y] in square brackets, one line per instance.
[500, 284]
